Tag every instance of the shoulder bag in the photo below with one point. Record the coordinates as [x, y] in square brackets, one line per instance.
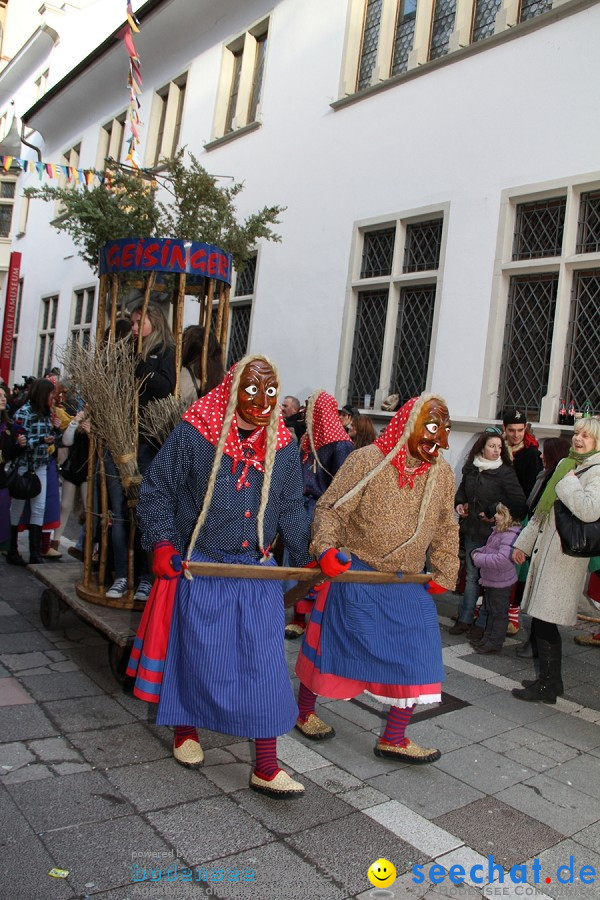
[22, 485]
[577, 538]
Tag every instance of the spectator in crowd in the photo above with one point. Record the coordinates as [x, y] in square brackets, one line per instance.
[488, 478]
[346, 414]
[361, 431]
[12, 442]
[293, 416]
[523, 449]
[190, 380]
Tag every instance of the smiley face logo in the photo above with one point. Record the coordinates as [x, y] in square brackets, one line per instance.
[381, 873]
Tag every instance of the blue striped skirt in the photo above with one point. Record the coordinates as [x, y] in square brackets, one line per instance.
[225, 668]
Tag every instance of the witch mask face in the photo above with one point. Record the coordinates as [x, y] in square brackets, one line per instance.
[257, 394]
[431, 432]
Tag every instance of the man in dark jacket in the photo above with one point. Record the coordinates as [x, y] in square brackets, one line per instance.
[523, 449]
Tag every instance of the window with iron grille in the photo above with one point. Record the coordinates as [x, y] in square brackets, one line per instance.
[82, 315]
[257, 78]
[49, 309]
[422, 247]
[239, 331]
[378, 253]
[484, 18]
[532, 8]
[580, 377]
[369, 332]
[527, 343]
[370, 41]
[244, 282]
[167, 113]
[242, 79]
[413, 337]
[539, 229]
[442, 27]
[404, 35]
[588, 226]
[7, 200]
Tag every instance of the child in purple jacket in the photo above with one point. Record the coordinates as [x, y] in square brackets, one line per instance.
[497, 575]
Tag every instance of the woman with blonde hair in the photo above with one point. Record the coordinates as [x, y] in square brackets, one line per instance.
[556, 580]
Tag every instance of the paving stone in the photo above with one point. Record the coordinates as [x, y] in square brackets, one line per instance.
[103, 855]
[65, 666]
[40, 670]
[490, 826]
[69, 800]
[159, 784]
[347, 861]
[292, 751]
[23, 643]
[558, 856]
[352, 754]
[365, 719]
[60, 686]
[582, 773]
[24, 722]
[12, 693]
[476, 724]
[363, 797]
[501, 665]
[55, 750]
[586, 693]
[431, 733]
[230, 777]
[548, 800]
[4, 673]
[86, 713]
[14, 756]
[504, 704]
[589, 837]
[124, 745]
[218, 820]
[468, 860]
[483, 769]
[56, 656]
[426, 789]
[6, 609]
[464, 687]
[279, 874]
[19, 661]
[405, 887]
[414, 829]
[526, 738]
[24, 871]
[217, 757]
[334, 780]
[530, 758]
[16, 624]
[71, 768]
[568, 730]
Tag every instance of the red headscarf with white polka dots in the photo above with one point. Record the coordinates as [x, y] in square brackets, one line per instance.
[388, 439]
[207, 415]
[326, 425]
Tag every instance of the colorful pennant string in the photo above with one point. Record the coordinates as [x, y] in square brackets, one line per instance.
[88, 177]
[134, 85]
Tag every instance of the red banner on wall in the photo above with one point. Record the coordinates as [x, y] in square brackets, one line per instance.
[8, 328]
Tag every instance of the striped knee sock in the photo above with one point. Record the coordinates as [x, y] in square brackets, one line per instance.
[395, 727]
[306, 702]
[266, 758]
[185, 733]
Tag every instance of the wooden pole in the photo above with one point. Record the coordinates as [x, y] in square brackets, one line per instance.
[225, 326]
[101, 315]
[103, 518]
[290, 573]
[89, 515]
[149, 285]
[113, 305]
[178, 328]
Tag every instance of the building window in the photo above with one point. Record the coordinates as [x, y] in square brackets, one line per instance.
[442, 26]
[165, 123]
[69, 158]
[527, 343]
[539, 229]
[240, 312]
[82, 313]
[110, 144]
[394, 318]
[46, 334]
[484, 18]
[242, 80]
[580, 377]
[7, 202]
[370, 42]
[404, 35]
[41, 85]
[532, 8]
[13, 353]
[548, 299]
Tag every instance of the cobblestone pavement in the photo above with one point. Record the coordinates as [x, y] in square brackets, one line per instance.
[89, 785]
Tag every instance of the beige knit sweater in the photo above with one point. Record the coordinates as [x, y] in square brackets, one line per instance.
[382, 516]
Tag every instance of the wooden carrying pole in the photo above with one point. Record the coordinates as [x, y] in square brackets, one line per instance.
[290, 573]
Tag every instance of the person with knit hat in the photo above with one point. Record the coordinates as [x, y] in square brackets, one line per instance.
[323, 449]
[210, 650]
[389, 506]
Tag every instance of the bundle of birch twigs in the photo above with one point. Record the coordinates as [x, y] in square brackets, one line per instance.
[159, 418]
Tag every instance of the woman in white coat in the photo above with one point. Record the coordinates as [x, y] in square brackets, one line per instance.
[555, 581]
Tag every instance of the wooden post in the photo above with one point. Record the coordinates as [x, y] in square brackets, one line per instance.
[114, 296]
[103, 517]
[225, 325]
[149, 285]
[101, 316]
[178, 328]
[89, 514]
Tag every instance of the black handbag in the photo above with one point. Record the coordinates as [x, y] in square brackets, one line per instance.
[577, 538]
[22, 485]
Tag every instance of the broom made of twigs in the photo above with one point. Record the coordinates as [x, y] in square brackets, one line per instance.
[159, 418]
[105, 377]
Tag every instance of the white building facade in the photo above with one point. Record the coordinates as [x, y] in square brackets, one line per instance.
[438, 161]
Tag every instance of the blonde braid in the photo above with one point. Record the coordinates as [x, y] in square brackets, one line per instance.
[410, 424]
[228, 418]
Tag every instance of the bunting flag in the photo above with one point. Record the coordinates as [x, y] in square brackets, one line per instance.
[134, 85]
[89, 177]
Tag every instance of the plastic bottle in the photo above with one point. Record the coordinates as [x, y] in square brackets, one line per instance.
[562, 413]
[587, 410]
[571, 413]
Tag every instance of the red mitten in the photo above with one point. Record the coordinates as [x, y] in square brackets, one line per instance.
[434, 588]
[166, 562]
[333, 562]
